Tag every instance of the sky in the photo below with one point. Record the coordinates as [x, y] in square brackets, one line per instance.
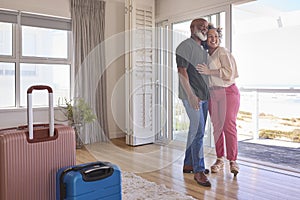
[267, 52]
[265, 42]
[283, 5]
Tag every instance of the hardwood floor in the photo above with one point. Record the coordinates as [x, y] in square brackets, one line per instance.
[163, 165]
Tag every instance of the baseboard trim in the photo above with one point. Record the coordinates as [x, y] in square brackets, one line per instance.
[116, 134]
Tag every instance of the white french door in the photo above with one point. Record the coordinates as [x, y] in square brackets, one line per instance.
[140, 76]
[163, 89]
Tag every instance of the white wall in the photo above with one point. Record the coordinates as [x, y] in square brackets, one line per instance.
[49, 7]
[114, 24]
[168, 9]
[114, 29]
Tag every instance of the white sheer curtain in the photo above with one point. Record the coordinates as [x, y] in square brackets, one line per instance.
[88, 22]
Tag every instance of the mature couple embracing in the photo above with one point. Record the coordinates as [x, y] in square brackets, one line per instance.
[207, 74]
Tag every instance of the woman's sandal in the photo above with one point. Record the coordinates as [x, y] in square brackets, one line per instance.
[217, 166]
[234, 167]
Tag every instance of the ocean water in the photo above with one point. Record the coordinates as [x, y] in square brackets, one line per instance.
[284, 105]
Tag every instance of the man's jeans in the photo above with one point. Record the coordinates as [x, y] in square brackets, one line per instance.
[194, 155]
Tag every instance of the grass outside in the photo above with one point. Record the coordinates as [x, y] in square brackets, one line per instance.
[271, 127]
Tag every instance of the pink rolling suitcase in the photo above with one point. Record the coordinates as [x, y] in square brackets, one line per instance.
[30, 156]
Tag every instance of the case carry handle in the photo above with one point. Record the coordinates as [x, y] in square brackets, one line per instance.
[30, 109]
[96, 172]
[90, 172]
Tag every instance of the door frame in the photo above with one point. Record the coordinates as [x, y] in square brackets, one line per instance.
[168, 54]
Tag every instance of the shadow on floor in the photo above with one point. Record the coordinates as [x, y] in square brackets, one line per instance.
[284, 156]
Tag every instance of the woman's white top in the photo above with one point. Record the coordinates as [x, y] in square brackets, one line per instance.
[222, 60]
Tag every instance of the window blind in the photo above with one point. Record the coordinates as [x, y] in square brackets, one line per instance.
[41, 21]
[8, 16]
[29, 19]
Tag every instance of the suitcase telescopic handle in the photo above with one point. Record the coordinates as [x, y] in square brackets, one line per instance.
[30, 109]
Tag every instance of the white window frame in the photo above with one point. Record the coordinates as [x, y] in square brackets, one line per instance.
[18, 18]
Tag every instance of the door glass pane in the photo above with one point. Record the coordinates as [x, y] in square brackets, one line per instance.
[223, 26]
[272, 23]
[7, 84]
[5, 39]
[213, 19]
[42, 42]
[56, 76]
[181, 31]
[265, 44]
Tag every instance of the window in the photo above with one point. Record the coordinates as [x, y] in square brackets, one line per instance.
[5, 39]
[42, 42]
[7, 84]
[57, 76]
[265, 41]
[34, 50]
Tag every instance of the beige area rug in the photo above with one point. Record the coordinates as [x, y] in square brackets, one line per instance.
[137, 188]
